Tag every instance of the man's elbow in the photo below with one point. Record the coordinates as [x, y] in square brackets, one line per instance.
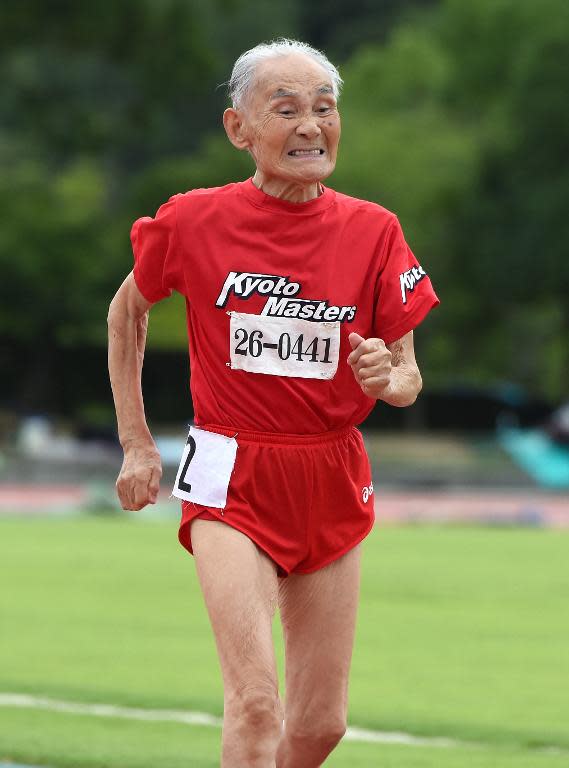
[416, 387]
[118, 315]
[113, 312]
[409, 394]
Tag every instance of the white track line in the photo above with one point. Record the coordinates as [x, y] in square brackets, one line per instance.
[25, 701]
[19, 765]
[398, 737]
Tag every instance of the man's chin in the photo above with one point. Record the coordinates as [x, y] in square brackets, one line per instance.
[313, 175]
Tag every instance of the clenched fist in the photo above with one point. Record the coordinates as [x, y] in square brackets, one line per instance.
[139, 479]
[370, 360]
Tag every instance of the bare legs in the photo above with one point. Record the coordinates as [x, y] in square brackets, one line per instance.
[239, 584]
[318, 613]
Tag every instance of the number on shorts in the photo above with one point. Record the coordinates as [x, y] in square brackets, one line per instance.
[182, 485]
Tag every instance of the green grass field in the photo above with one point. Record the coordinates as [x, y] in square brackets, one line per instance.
[462, 633]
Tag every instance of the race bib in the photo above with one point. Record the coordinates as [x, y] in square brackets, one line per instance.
[205, 469]
[283, 346]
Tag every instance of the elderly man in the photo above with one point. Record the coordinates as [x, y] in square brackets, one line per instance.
[301, 304]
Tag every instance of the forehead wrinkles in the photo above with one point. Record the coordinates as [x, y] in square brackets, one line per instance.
[304, 76]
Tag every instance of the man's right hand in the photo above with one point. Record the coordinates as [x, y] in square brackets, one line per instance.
[139, 479]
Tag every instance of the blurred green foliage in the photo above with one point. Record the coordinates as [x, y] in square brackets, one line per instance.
[455, 116]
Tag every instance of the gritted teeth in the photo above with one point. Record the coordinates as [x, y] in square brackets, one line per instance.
[302, 152]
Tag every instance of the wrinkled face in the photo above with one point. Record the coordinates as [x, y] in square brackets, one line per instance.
[291, 121]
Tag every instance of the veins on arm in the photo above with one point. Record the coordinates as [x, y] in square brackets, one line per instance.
[141, 333]
[128, 323]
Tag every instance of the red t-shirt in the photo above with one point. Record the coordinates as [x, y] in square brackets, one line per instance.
[333, 259]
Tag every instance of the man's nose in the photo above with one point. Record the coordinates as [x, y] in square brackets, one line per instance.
[308, 127]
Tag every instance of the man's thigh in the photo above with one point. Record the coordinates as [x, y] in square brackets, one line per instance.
[318, 614]
[239, 585]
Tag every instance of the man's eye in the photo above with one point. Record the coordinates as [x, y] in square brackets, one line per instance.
[322, 110]
[285, 112]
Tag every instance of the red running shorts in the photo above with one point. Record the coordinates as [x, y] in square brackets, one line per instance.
[305, 500]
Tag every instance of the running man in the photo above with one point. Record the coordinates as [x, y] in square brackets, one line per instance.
[301, 304]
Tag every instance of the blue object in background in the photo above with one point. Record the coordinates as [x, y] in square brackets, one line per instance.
[535, 452]
[170, 450]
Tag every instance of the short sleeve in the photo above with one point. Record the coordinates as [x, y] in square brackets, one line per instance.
[157, 260]
[404, 294]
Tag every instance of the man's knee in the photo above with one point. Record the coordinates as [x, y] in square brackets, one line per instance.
[323, 730]
[256, 706]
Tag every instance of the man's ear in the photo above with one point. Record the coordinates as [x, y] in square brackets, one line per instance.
[234, 128]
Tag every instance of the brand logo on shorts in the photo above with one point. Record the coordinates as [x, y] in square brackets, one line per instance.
[367, 491]
[280, 291]
[408, 280]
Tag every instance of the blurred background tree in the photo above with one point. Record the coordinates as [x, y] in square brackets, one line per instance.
[455, 116]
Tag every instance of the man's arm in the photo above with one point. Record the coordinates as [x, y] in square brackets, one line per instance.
[386, 372]
[139, 478]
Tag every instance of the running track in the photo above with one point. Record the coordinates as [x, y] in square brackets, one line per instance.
[511, 507]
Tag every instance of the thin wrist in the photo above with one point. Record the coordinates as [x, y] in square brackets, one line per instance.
[133, 440]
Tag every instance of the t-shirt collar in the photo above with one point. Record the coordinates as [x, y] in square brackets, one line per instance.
[260, 199]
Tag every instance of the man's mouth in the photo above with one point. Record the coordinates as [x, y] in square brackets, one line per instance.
[306, 152]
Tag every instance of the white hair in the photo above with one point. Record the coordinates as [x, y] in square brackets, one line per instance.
[243, 74]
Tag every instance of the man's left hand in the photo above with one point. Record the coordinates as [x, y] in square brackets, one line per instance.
[370, 360]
